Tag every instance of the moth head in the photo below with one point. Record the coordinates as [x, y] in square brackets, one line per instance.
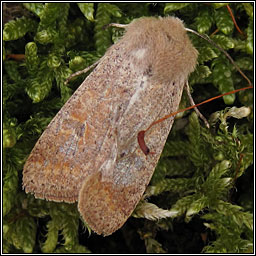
[163, 45]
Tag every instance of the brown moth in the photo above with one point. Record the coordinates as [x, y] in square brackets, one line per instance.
[89, 152]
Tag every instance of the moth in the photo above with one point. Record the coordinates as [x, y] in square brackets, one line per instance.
[89, 152]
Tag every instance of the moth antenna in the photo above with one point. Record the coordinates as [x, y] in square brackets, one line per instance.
[97, 62]
[196, 105]
[117, 25]
[82, 71]
[141, 134]
[193, 103]
[226, 54]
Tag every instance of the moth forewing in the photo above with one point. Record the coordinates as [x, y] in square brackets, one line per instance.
[89, 152]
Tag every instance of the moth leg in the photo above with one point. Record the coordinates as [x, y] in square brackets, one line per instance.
[82, 71]
[193, 103]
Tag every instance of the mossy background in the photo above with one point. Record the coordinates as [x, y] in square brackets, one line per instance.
[204, 179]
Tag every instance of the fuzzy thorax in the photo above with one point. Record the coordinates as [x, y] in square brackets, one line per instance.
[161, 46]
